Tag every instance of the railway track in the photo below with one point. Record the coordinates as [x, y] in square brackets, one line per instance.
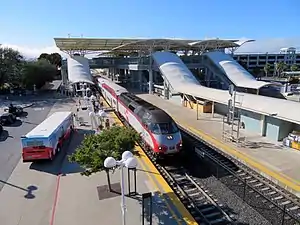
[273, 202]
[201, 204]
[270, 200]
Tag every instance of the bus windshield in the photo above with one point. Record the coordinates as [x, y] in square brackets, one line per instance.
[164, 128]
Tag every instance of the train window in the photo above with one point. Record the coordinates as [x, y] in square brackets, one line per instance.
[140, 113]
[131, 107]
[163, 128]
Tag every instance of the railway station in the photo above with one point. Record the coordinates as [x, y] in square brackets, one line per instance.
[204, 90]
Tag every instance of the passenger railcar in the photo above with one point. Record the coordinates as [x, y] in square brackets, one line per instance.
[158, 130]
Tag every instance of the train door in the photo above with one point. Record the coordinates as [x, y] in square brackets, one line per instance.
[117, 104]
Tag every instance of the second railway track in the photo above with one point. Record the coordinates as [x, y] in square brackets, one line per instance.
[201, 204]
[274, 203]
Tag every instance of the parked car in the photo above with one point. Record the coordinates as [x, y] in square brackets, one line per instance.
[7, 119]
[1, 129]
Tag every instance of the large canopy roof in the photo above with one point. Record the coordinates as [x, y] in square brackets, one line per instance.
[110, 44]
[79, 70]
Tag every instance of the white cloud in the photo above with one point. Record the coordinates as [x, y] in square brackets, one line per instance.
[267, 45]
[31, 53]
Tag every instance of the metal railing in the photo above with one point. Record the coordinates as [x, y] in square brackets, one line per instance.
[217, 165]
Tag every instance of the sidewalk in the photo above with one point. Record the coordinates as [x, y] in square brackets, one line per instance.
[85, 200]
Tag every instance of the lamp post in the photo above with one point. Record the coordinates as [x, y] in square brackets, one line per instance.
[127, 161]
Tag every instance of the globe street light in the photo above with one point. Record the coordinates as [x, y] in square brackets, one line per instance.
[127, 161]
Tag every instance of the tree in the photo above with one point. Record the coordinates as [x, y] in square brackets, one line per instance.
[280, 67]
[256, 72]
[294, 67]
[38, 73]
[267, 69]
[53, 58]
[11, 62]
[94, 149]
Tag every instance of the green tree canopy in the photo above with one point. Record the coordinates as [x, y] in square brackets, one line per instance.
[280, 67]
[53, 58]
[294, 67]
[11, 62]
[267, 69]
[38, 73]
[94, 149]
[256, 71]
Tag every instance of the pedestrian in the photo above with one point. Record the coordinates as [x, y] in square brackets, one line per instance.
[107, 123]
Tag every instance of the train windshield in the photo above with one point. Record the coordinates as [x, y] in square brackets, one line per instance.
[164, 128]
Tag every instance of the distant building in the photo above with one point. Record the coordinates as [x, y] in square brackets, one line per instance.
[259, 60]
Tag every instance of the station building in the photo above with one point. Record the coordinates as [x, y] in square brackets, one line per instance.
[197, 71]
[258, 60]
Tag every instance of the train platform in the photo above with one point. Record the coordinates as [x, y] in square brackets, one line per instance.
[86, 200]
[270, 159]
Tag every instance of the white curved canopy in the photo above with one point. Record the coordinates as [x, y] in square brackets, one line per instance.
[79, 70]
[234, 71]
[175, 72]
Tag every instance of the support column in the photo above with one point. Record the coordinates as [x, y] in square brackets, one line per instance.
[140, 79]
[213, 109]
[263, 125]
[150, 73]
[64, 75]
[139, 72]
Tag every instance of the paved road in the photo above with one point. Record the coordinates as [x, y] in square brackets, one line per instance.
[30, 189]
[10, 144]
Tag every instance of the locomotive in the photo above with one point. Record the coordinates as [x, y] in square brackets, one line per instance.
[159, 132]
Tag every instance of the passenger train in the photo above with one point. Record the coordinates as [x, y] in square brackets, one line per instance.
[158, 130]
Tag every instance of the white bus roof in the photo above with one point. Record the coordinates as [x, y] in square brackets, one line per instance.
[47, 127]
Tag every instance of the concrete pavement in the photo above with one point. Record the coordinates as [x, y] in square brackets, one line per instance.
[27, 197]
[55, 193]
[10, 142]
[84, 200]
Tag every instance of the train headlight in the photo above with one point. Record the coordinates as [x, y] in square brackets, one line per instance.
[170, 137]
[163, 148]
[179, 145]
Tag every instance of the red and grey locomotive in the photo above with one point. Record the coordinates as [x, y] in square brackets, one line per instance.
[158, 130]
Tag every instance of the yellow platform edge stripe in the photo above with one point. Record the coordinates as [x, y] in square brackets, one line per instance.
[186, 216]
[287, 181]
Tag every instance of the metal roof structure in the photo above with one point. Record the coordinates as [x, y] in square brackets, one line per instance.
[124, 44]
[90, 44]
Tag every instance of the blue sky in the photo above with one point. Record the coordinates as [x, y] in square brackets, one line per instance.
[34, 23]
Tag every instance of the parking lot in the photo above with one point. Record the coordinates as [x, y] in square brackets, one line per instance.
[10, 144]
